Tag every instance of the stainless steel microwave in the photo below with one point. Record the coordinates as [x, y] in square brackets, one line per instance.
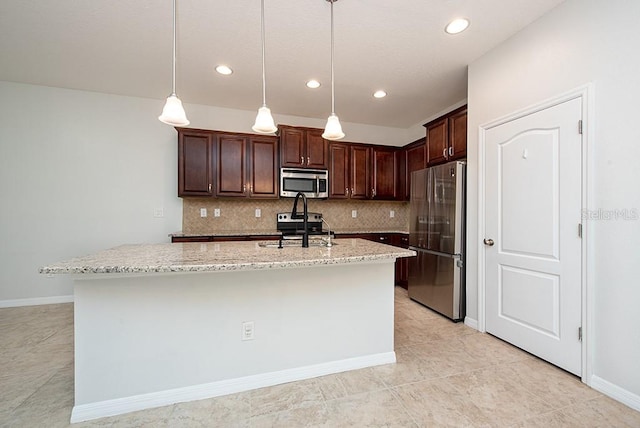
[314, 183]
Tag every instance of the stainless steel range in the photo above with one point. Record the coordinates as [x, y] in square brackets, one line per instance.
[292, 226]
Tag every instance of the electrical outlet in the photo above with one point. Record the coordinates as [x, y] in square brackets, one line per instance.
[216, 212]
[247, 330]
[258, 212]
[203, 212]
[392, 214]
[354, 213]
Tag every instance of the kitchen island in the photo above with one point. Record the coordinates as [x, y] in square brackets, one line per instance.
[166, 323]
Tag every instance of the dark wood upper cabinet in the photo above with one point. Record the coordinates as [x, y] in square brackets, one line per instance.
[248, 166]
[317, 149]
[349, 171]
[196, 155]
[413, 158]
[339, 183]
[263, 169]
[360, 171]
[458, 135]
[447, 137]
[232, 152]
[384, 173]
[303, 147]
[227, 164]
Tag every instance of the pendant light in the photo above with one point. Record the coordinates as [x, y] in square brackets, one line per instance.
[173, 112]
[333, 130]
[264, 121]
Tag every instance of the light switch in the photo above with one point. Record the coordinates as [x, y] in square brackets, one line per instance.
[354, 213]
[216, 212]
[203, 212]
[258, 212]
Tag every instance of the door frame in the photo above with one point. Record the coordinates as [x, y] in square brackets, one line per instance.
[585, 94]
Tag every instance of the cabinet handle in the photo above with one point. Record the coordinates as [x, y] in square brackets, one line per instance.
[244, 188]
[450, 151]
[352, 191]
[307, 160]
[373, 192]
[444, 153]
[346, 191]
[301, 160]
[209, 187]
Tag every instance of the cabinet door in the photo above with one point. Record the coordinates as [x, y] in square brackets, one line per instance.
[415, 160]
[317, 149]
[359, 171]
[384, 173]
[339, 171]
[458, 135]
[195, 163]
[231, 165]
[263, 167]
[292, 150]
[437, 146]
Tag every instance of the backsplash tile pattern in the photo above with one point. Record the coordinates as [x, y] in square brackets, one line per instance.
[239, 215]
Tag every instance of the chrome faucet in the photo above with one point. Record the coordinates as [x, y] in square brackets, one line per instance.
[305, 216]
[329, 244]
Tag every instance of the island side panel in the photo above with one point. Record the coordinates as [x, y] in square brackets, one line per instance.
[150, 333]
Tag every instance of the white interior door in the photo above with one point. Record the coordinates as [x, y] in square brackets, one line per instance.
[533, 204]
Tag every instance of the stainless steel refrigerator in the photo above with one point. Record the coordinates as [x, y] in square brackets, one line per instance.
[437, 234]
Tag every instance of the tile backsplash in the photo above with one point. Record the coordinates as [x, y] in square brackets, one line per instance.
[239, 215]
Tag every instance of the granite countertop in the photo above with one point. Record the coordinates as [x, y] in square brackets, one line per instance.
[222, 256]
[273, 232]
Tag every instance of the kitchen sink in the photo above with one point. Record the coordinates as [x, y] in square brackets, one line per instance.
[294, 243]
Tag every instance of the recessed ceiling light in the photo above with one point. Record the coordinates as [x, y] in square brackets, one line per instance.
[223, 69]
[313, 84]
[379, 94]
[457, 26]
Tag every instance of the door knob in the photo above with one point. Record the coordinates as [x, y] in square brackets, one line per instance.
[489, 242]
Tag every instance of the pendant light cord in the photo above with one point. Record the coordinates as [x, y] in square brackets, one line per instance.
[173, 87]
[264, 79]
[333, 92]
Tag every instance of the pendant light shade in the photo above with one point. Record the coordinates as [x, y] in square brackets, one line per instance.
[173, 112]
[264, 121]
[333, 130]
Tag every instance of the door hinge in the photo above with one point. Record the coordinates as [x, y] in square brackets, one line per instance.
[580, 230]
[580, 127]
[580, 334]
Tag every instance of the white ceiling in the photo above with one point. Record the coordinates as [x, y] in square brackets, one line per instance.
[124, 47]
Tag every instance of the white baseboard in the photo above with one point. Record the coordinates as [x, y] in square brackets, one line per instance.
[35, 301]
[85, 412]
[614, 391]
[470, 322]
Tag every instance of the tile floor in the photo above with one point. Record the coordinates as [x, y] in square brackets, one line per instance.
[446, 375]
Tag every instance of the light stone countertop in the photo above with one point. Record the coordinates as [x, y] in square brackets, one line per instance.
[222, 256]
[272, 232]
